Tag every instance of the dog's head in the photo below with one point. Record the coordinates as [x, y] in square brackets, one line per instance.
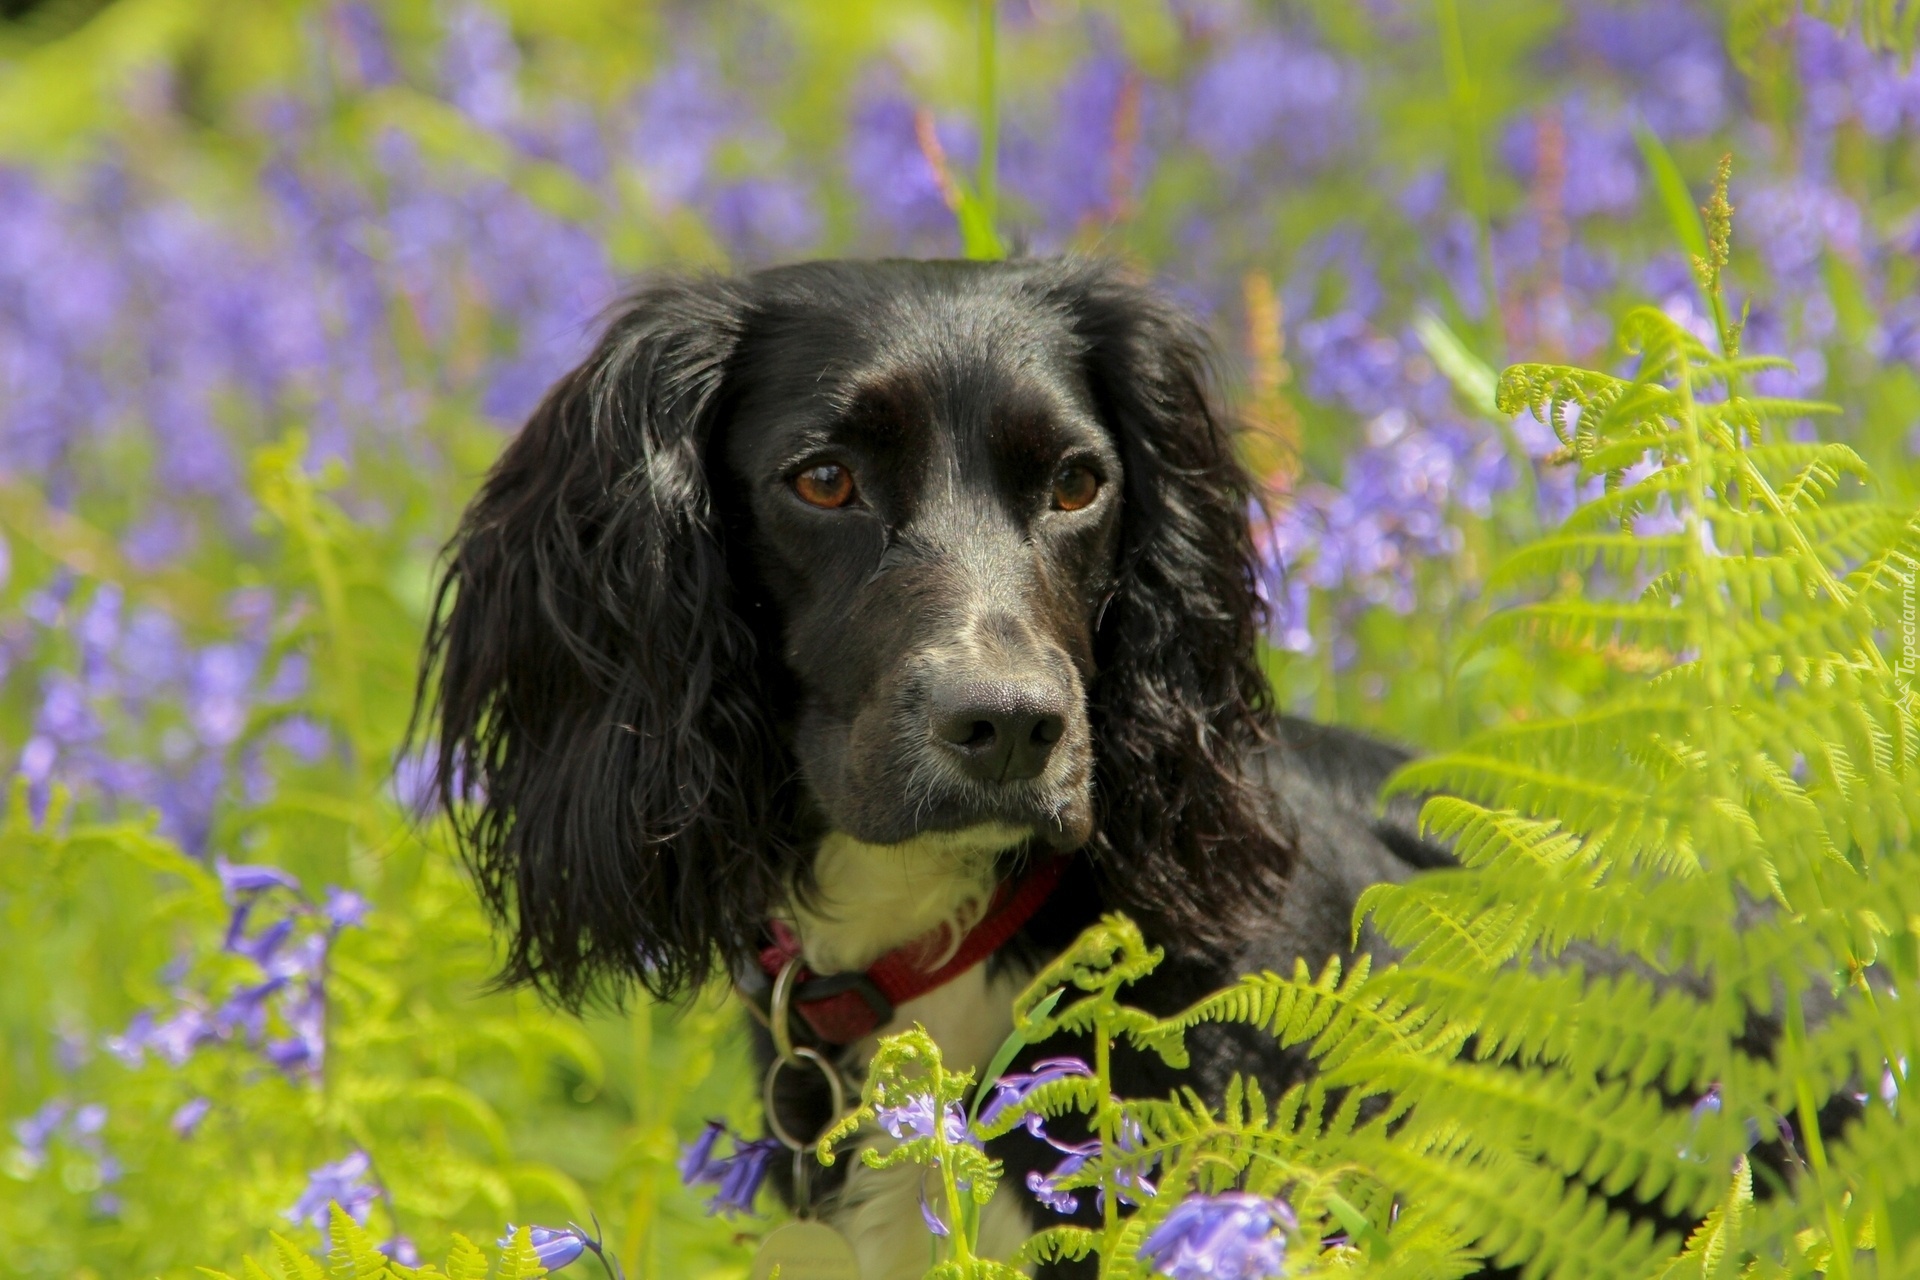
[877, 549]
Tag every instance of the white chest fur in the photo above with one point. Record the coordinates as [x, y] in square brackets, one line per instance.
[871, 899]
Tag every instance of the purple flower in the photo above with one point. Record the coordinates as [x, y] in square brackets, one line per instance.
[345, 908]
[1264, 90]
[1235, 1236]
[761, 218]
[37, 1130]
[1796, 221]
[480, 66]
[736, 1177]
[1671, 59]
[245, 1011]
[186, 1120]
[177, 1037]
[685, 113]
[130, 1045]
[261, 946]
[1046, 1187]
[928, 1216]
[1012, 1089]
[365, 37]
[698, 1155]
[344, 1182]
[892, 176]
[240, 879]
[306, 1017]
[403, 1251]
[556, 1247]
[915, 1119]
[1130, 1181]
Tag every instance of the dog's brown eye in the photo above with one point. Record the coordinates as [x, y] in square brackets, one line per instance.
[827, 485]
[1074, 488]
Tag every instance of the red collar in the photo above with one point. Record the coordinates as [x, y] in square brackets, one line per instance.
[844, 1007]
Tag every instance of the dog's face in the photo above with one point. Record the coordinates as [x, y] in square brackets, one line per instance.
[933, 505]
[867, 552]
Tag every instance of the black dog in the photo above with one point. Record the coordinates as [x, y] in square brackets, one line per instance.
[879, 614]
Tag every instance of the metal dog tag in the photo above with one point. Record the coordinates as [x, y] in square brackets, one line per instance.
[806, 1251]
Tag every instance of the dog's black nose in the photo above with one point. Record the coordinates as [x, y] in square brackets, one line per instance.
[999, 730]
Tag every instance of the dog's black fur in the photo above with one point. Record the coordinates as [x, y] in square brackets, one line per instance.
[657, 675]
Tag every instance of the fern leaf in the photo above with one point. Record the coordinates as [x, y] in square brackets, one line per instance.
[295, 1263]
[1055, 1245]
[353, 1256]
[1718, 1236]
[465, 1261]
[518, 1261]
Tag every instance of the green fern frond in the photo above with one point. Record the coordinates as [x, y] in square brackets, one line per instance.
[1055, 1098]
[294, 1261]
[1054, 1245]
[1446, 923]
[1516, 1211]
[1713, 1249]
[1548, 560]
[1736, 815]
[518, 1261]
[353, 1256]
[465, 1261]
[1616, 1027]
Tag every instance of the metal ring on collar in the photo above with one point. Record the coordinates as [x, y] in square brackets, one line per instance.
[779, 1020]
[834, 1090]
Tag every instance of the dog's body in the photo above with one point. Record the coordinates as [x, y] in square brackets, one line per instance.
[1326, 780]
[838, 595]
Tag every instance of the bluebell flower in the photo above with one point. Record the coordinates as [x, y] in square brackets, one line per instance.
[1709, 1103]
[403, 1251]
[366, 40]
[343, 1182]
[1046, 1186]
[892, 176]
[1130, 1181]
[176, 1037]
[260, 947]
[1235, 1236]
[129, 1046]
[1012, 1089]
[699, 1153]
[1266, 90]
[1672, 58]
[480, 66]
[763, 218]
[244, 1012]
[556, 1247]
[345, 908]
[37, 1130]
[242, 879]
[916, 1119]
[1796, 221]
[187, 1117]
[934, 1225]
[736, 1177]
[685, 113]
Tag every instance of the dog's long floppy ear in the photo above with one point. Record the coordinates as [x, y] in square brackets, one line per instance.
[590, 692]
[1179, 702]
